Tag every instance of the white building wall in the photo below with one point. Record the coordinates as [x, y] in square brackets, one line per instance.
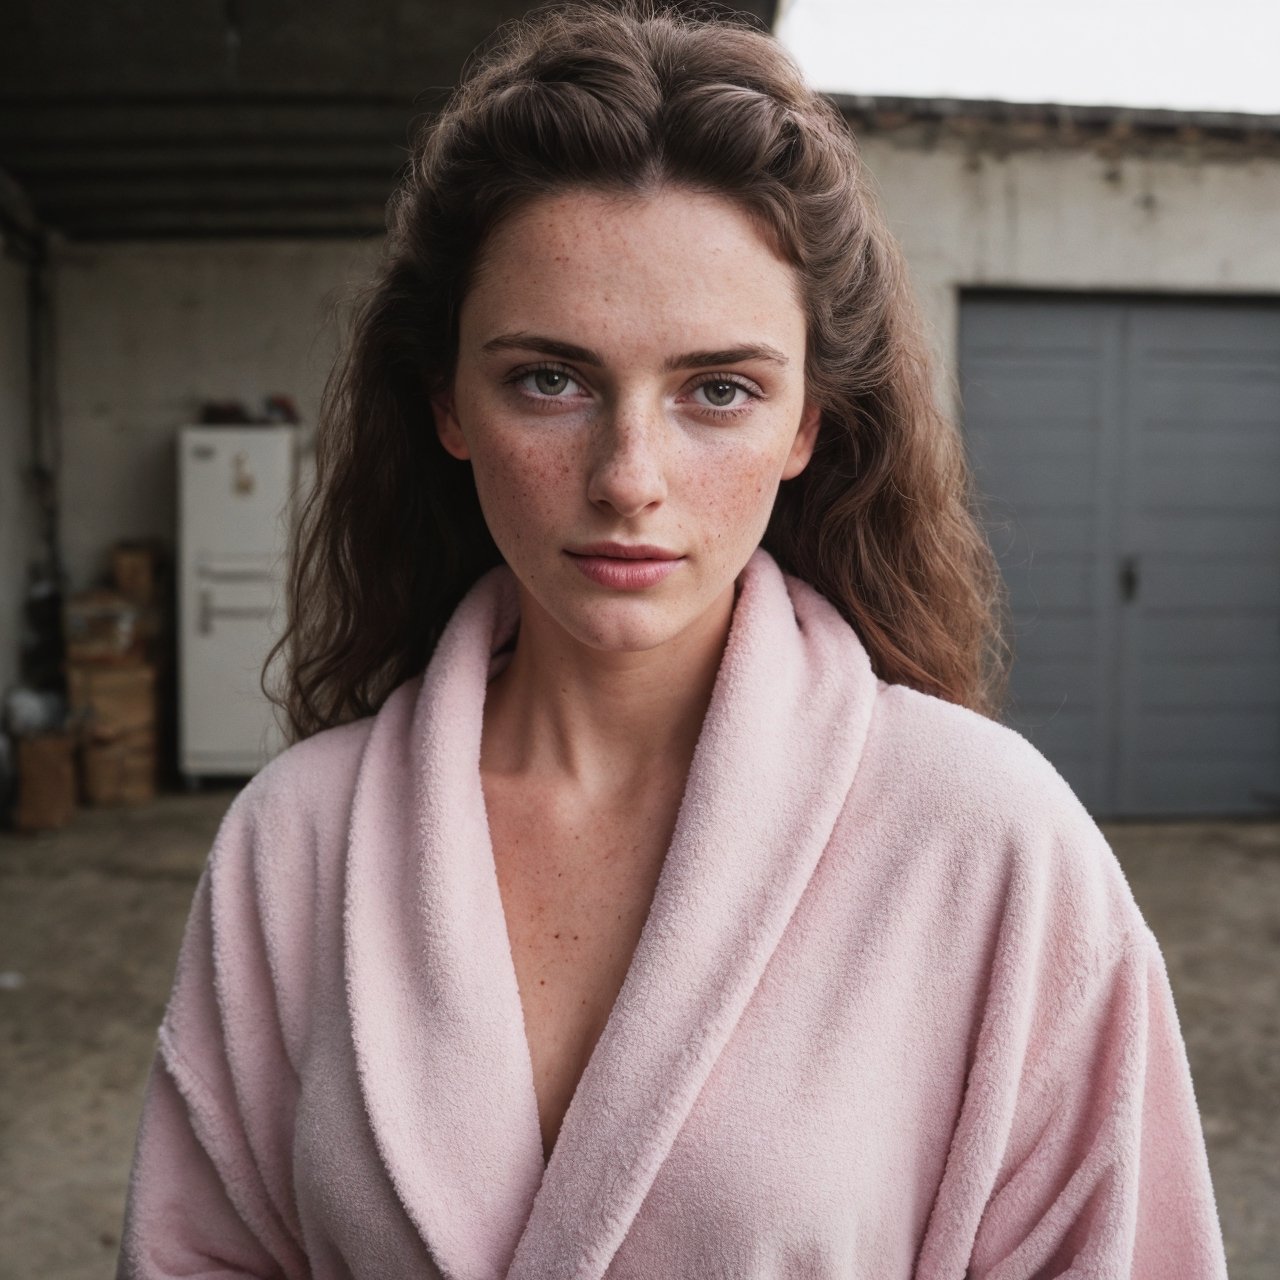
[149, 331]
[1061, 219]
[16, 542]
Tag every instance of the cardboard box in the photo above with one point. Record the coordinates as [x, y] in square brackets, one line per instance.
[46, 781]
[101, 625]
[137, 568]
[118, 700]
[120, 771]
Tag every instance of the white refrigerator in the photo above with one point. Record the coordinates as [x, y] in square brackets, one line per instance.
[237, 499]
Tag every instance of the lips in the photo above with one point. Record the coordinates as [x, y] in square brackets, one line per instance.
[624, 551]
[620, 567]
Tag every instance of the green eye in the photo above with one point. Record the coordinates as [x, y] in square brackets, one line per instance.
[720, 393]
[549, 382]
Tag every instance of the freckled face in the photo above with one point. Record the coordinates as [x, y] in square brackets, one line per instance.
[629, 371]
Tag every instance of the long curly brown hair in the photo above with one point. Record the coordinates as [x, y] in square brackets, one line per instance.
[630, 98]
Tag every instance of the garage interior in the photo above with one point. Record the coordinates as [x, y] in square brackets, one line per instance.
[189, 197]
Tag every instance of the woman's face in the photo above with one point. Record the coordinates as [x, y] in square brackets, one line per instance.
[630, 371]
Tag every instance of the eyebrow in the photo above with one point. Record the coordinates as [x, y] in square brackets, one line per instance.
[583, 355]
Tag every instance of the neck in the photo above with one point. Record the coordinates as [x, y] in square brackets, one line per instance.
[602, 722]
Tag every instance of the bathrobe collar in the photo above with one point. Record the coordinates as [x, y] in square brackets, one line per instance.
[437, 1023]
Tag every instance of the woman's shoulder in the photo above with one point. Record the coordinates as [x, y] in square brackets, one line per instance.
[983, 808]
[296, 809]
[305, 788]
[318, 774]
[319, 770]
[957, 760]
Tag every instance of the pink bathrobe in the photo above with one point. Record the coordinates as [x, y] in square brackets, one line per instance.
[894, 1012]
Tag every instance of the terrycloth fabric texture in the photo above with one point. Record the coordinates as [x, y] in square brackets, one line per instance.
[894, 1011]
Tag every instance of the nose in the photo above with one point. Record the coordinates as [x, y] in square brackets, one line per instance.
[628, 471]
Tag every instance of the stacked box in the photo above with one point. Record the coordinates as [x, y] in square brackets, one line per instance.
[117, 665]
[47, 790]
[101, 626]
[136, 569]
[118, 670]
[139, 572]
[118, 745]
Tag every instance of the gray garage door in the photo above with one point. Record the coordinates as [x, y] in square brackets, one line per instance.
[1129, 453]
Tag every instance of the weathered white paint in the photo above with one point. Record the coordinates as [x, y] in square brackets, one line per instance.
[147, 333]
[15, 515]
[1059, 219]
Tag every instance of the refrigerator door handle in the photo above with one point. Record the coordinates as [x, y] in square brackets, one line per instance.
[208, 611]
[243, 569]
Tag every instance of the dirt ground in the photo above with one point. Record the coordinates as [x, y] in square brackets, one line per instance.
[91, 916]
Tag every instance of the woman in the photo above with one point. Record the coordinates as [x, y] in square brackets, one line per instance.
[645, 892]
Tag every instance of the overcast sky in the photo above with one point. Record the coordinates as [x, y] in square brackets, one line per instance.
[1215, 55]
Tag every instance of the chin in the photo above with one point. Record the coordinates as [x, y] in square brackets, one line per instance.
[616, 621]
[622, 626]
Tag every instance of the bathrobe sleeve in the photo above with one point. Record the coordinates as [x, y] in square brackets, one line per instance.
[209, 1192]
[1078, 1150]
[1103, 1172]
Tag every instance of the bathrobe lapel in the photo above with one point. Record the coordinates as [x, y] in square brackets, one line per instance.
[437, 1023]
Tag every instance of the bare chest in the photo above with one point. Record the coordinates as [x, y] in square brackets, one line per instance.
[576, 891]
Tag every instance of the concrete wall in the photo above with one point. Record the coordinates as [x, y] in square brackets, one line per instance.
[1081, 220]
[15, 435]
[147, 332]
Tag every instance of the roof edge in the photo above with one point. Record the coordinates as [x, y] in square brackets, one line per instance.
[872, 107]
